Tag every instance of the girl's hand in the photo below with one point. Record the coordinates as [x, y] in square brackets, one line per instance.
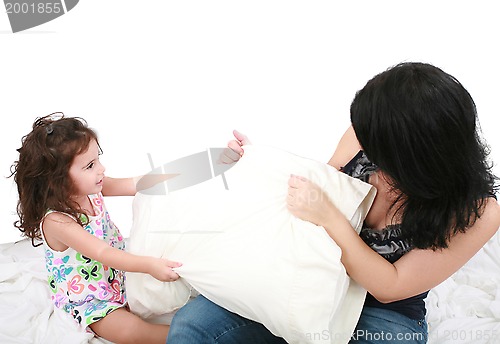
[307, 201]
[161, 269]
[234, 151]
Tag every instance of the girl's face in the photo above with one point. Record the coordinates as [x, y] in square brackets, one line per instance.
[87, 172]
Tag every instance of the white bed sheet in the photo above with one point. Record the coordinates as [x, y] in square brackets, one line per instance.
[463, 309]
[27, 314]
[466, 307]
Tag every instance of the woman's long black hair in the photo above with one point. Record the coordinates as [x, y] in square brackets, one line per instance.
[418, 124]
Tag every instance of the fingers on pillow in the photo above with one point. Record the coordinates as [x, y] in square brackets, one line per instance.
[229, 156]
[242, 138]
[296, 181]
[173, 276]
[173, 264]
[235, 146]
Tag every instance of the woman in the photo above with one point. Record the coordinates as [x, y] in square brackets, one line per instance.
[414, 138]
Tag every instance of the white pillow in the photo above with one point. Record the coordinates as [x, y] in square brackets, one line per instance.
[242, 249]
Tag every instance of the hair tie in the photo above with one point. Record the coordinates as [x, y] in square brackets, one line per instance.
[47, 121]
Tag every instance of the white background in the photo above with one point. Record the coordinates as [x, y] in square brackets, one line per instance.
[172, 78]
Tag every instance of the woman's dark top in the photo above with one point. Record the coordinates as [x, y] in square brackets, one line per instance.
[387, 242]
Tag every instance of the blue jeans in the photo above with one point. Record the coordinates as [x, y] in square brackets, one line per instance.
[377, 325]
[203, 322]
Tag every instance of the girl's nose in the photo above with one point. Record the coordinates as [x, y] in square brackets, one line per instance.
[101, 167]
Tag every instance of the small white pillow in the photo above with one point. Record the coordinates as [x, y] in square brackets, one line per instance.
[242, 249]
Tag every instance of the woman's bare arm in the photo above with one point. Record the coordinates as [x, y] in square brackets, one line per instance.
[416, 272]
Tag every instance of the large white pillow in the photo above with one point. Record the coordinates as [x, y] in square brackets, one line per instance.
[242, 249]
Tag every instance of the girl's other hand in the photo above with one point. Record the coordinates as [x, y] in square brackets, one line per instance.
[161, 269]
[234, 151]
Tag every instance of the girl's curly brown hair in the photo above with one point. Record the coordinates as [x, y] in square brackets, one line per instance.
[42, 171]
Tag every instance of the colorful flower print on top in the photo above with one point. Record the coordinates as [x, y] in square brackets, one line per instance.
[83, 287]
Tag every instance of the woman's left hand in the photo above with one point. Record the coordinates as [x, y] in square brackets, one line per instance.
[307, 201]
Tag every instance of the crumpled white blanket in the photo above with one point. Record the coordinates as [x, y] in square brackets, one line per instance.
[466, 307]
[27, 314]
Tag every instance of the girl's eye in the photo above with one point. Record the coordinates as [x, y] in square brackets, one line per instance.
[90, 166]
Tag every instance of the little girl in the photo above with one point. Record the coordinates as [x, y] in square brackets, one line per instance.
[61, 184]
